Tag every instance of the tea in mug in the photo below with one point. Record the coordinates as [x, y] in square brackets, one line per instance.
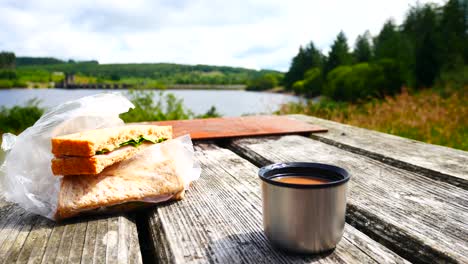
[304, 180]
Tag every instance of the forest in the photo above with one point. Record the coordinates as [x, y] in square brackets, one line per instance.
[429, 47]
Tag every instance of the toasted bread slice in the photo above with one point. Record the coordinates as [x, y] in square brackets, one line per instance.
[69, 165]
[128, 181]
[87, 143]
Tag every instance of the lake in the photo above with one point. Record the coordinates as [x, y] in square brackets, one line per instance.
[228, 103]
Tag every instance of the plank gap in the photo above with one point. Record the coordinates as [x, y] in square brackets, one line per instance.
[148, 252]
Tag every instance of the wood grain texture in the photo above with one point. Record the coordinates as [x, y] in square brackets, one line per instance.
[441, 163]
[227, 127]
[420, 218]
[220, 221]
[28, 238]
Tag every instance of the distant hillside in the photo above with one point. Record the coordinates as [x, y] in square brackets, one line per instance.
[165, 73]
[25, 61]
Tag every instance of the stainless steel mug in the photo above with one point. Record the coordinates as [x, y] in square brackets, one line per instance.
[304, 218]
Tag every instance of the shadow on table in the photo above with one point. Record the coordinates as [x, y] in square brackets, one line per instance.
[16, 217]
[253, 247]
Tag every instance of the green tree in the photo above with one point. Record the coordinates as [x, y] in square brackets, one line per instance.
[391, 45]
[263, 82]
[387, 42]
[7, 60]
[307, 58]
[362, 49]
[453, 30]
[393, 79]
[312, 84]
[339, 54]
[421, 27]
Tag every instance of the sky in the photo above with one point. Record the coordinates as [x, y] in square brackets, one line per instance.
[260, 34]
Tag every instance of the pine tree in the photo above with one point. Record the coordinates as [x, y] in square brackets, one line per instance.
[453, 30]
[387, 42]
[362, 49]
[421, 28]
[339, 53]
[305, 59]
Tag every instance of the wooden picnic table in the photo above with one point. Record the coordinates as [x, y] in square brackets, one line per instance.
[407, 202]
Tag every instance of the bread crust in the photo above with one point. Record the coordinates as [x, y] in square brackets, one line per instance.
[68, 165]
[122, 182]
[86, 143]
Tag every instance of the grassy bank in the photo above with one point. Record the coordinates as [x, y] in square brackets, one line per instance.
[432, 116]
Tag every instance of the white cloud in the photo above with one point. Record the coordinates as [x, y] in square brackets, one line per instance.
[254, 34]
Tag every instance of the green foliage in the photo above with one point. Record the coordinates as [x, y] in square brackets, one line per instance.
[456, 79]
[431, 44]
[353, 83]
[312, 83]
[167, 107]
[264, 82]
[424, 115]
[8, 74]
[212, 112]
[16, 119]
[362, 49]
[34, 75]
[392, 75]
[453, 27]
[25, 61]
[162, 73]
[7, 60]
[387, 42]
[306, 58]
[6, 83]
[421, 27]
[339, 53]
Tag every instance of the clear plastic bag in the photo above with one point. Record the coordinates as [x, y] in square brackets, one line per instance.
[27, 176]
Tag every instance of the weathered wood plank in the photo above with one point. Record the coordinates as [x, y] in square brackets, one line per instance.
[420, 218]
[220, 221]
[28, 238]
[441, 163]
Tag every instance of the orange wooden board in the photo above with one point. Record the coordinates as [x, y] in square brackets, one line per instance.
[227, 127]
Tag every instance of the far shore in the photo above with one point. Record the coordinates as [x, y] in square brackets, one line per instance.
[168, 87]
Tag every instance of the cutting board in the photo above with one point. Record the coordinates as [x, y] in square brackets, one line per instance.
[228, 127]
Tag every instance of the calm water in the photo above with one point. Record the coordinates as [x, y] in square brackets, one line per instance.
[228, 103]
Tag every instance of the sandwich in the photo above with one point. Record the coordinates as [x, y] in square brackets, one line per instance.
[115, 169]
[138, 179]
[90, 152]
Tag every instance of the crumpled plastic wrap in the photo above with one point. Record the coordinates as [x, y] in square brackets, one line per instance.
[27, 178]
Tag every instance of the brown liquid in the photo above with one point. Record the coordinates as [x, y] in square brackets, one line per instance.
[301, 180]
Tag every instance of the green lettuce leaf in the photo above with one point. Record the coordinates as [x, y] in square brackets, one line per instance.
[133, 142]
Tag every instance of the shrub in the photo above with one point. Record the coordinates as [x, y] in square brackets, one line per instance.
[264, 82]
[8, 74]
[336, 83]
[17, 118]
[313, 82]
[392, 77]
[167, 107]
[6, 83]
[353, 83]
[212, 112]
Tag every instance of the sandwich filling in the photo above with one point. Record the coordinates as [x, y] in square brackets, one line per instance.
[132, 142]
